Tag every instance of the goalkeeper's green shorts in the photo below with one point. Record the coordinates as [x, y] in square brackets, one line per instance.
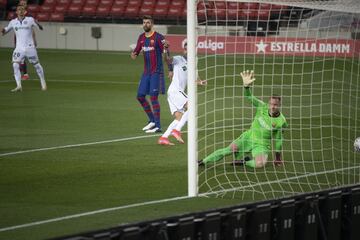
[246, 144]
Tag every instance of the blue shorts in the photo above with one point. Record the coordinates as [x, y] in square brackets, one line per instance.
[151, 84]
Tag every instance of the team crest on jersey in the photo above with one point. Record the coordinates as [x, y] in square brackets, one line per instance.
[16, 28]
[274, 125]
[184, 68]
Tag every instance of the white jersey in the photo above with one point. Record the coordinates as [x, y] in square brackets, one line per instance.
[23, 32]
[179, 80]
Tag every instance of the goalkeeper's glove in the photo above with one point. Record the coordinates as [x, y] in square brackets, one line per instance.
[248, 77]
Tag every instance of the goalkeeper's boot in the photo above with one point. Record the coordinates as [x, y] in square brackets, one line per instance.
[150, 125]
[164, 141]
[154, 130]
[177, 134]
[25, 77]
[201, 163]
[17, 89]
[240, 162]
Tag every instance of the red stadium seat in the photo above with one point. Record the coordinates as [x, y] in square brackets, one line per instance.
[61, 9]
[103, 11]
[149, 3]
[145, 10]
[33, 8]
[278, 9]
[43, 17]
[263, 14]
[203, 9]
[248, 13]
[92, 3]
[265, 6]
[116, 11]
[175, 12]
[11, 15]
[160, 12]
[63, 3]
[46, 8]
[74, 10]
[3, 3]
[233, 9]
[178, 3]
[134, 3]
[184, 13]
[218, 11]
[161, 3]
[106, 3]
[49, 3]
[131, 12]
[250, 6]
[56, 17]
[78, 2]
[89, 11]
[120, 3]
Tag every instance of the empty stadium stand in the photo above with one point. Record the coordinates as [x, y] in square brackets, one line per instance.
[258, 19]
[164, 11]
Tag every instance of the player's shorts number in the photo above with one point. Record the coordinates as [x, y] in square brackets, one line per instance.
[16, 55]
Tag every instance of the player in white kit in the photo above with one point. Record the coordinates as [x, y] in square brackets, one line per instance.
[177, 98]
[25, 46]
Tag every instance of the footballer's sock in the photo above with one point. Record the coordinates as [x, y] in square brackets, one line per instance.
[250, 163]
[182, 121]
[146, 106]
[40, 72]
[156, 108]
[217, 155]
[23, 68]
[170, 128]
[17, 74]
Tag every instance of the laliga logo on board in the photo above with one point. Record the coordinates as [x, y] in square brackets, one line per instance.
[207, 44]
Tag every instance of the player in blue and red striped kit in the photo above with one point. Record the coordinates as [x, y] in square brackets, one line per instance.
[152, 82]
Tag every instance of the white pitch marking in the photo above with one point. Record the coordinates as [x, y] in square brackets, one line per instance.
[90, 213]
[77, 145]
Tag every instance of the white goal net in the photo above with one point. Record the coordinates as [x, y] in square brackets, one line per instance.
[307, 52]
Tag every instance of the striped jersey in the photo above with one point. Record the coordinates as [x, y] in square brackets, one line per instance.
[152, 48]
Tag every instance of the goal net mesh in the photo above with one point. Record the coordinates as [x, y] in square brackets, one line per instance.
[308, 53]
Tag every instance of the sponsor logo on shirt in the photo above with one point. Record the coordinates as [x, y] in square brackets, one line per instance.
[148, 49]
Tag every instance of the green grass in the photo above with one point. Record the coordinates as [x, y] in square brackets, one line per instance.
[91, 98]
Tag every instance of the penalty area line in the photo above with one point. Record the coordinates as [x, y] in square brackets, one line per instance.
[90, 213]
[77, 145]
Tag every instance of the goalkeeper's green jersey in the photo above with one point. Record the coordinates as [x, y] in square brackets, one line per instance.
[264, 127]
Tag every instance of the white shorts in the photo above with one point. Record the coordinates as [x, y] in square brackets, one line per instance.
[19, 55]
[177, 101]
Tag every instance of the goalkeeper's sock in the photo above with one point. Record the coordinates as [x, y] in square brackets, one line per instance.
[217, 155]
[251, 163]
[170, 128]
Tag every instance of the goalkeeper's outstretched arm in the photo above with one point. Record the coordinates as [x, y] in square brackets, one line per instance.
[248, 78]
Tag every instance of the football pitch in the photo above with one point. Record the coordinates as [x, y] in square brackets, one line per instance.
[74, 158]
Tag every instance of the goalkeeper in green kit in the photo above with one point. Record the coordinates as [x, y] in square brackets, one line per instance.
[267, 125]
